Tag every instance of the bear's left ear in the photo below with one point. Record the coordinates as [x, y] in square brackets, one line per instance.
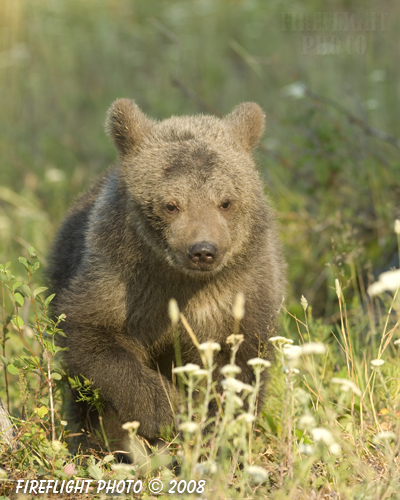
[247, 121]
[127, 125]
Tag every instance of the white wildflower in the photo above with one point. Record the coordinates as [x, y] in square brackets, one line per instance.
[188, 368]
[189, 427]
[280, 340]
[306, 449]
[208, 349]
[396, 342]
[209, 346]
[296, 90]
[375, 289]
[376, 363]
[304, 303]
[209, 467]
[346, 385]
[200, 373]
[238, 307]
[54, 175]
[230, 370]
[257, 474]
[291, 352]
[173, 311]
[388, 281]
[322, 435]
[307, 422]
[234, 385]
[313, 348]
[131, 425]
[335, 449]
[247, 417]
[290, 369]
[384, 436]
[122, 468]
[259, 362]
[234, 339]
[56, 445]
[302, 396]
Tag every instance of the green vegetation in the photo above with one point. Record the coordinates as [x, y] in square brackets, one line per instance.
[330, 427]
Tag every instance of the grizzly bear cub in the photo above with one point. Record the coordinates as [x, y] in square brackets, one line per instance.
[182, 215]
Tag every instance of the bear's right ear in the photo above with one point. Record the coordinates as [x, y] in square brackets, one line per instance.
[127, 125]
[247, 121]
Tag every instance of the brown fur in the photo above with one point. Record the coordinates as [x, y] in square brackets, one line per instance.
[120, 256]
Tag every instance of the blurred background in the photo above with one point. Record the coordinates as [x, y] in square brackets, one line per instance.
[326, 74]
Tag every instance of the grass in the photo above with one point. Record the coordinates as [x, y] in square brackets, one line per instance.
[330, 424]
[330, 162]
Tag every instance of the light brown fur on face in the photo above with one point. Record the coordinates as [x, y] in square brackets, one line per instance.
[183, 215]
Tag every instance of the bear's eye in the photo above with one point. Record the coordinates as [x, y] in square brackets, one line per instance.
[226, 205]
[171, 208]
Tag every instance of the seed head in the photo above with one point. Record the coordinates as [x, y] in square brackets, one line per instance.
[338, 288]
[238, 307]
[173, 311]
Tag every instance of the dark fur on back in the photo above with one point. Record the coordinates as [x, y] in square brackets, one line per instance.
[182, 215]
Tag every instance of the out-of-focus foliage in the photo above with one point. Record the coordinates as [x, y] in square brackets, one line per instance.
[326, 75]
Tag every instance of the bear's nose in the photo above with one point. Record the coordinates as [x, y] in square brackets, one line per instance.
[203, 253]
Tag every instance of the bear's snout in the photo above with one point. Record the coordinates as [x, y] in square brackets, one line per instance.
[203, 254]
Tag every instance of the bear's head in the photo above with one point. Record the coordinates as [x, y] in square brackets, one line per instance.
[195, 196]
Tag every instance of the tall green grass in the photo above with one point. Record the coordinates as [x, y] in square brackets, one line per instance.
[329, 424]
